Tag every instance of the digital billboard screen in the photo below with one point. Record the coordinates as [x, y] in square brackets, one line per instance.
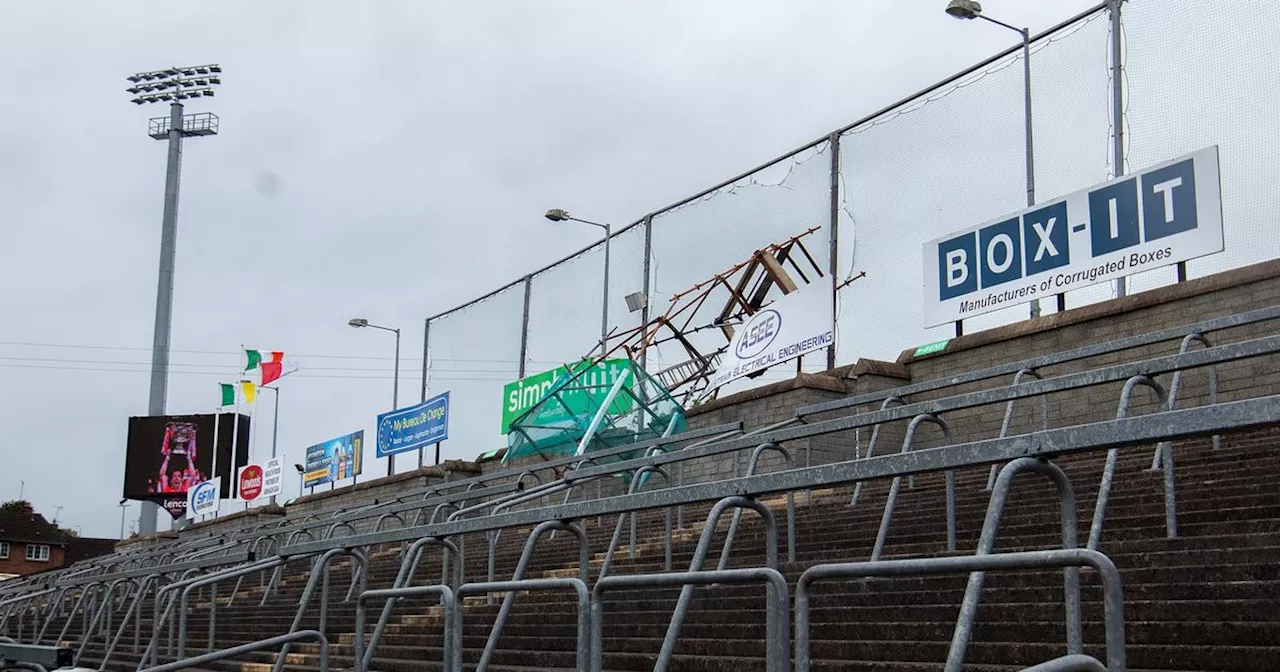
[166, 455]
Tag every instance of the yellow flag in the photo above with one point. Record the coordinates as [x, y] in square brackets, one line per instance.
[250, 391]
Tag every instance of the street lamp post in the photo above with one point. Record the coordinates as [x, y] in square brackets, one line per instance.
[558, 215]
[970, 9]
[361, 323]
[171, 85]
[124, 507]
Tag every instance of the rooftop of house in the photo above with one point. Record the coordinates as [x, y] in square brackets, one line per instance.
[30, 527]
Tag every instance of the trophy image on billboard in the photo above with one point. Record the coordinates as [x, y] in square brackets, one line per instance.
[178, 470]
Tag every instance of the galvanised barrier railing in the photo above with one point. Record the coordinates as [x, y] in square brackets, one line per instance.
[1159, 427]
[1195, 332]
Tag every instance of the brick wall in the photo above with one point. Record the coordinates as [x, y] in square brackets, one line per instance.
[17, 562]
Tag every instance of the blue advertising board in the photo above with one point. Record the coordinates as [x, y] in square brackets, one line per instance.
[414, 427]
[1162, 215]
[334, 460]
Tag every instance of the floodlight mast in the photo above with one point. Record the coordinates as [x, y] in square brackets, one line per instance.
[171, 85]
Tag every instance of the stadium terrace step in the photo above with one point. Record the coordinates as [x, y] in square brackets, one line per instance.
[1207, 600]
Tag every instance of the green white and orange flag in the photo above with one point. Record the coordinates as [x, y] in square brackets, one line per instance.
[256, 358]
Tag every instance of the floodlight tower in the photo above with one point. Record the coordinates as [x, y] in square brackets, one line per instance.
[171, 85]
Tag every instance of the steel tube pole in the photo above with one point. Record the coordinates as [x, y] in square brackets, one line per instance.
[395, 403]
[1117, 106]
[1029, 135]
[164, 292]
[604, 308]
[833, 257]
[647, 284]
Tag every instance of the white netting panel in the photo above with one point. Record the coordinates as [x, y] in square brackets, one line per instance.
[955, 158]
[565, 303]
[693, 242]
[474, 351]
[1201, 74]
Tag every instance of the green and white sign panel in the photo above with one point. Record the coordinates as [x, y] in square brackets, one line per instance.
[579, 397]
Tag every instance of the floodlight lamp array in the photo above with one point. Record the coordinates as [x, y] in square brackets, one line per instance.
[174, 84]
[172, 96]
[186, 82]
[192, 71]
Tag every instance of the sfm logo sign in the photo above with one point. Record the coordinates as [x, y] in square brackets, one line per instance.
[203, 498]
[1167, 213]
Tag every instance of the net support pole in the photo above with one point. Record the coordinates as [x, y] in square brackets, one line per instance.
[524, 326]
[833, 261]
[1117, 105]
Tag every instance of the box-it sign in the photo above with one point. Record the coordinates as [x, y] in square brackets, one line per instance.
[1162, 215]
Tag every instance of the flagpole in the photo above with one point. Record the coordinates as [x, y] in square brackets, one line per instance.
[235, 442]
[253, 433]
[217, 415]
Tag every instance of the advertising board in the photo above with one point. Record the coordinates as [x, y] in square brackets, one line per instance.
[524, 394]
[411, 428]
[273, 477]
[334, 460]
[1165, 214]
[167, 455]
[249, 482]
[203, 498]
[796, 324]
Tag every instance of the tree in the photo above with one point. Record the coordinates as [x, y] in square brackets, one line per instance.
[15, 506]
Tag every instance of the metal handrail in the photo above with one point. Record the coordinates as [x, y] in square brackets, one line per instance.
[777, 639]
[890, 503]
[737, 512]
[269, 643]
[1175, 386]
[579, 587]
[1112, 590]
[517, 577]
[1109, 469]
[1007, 422]
[452, 635]
[700, 557]
[987, 546]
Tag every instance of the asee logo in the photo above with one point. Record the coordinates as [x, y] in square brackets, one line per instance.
[1118, 215]
[758, 333]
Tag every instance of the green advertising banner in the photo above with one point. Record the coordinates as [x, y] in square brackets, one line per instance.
[584, 396]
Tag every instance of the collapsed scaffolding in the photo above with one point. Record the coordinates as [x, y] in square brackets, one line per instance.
[609, 399]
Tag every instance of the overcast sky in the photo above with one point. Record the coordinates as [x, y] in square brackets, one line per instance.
[387, 160]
